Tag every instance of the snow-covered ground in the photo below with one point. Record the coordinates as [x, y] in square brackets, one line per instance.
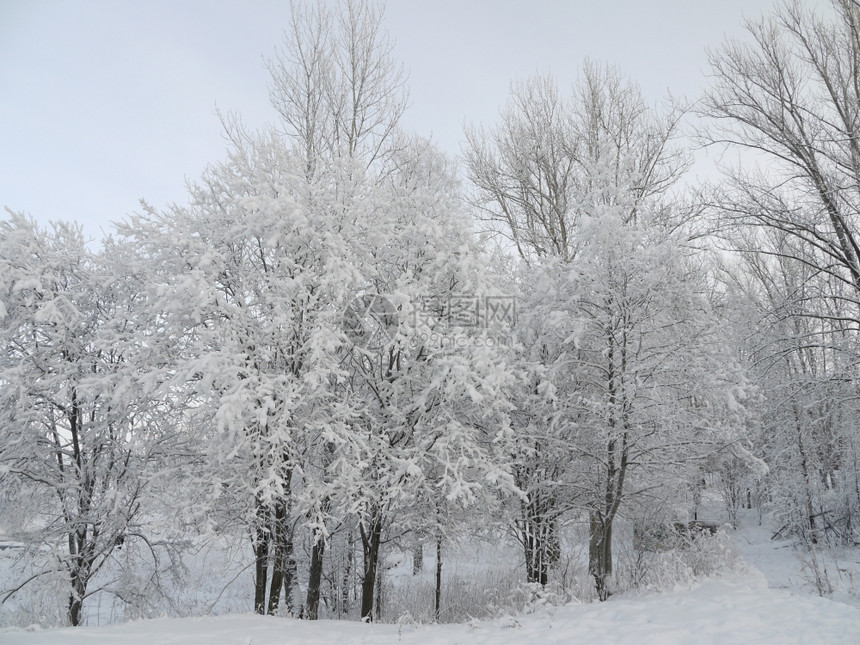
[788, 568]
[739, 609]
[769, 600]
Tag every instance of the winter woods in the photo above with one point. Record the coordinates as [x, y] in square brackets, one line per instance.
[345, 345]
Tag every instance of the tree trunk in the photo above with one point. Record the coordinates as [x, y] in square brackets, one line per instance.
[282, 545]
[437, 604]
[600, 552]
[371, 537]
[539, 536]
[80, 545]
[417, 558]
[377, 607]
[262, 539]
[290, 578]
[312, 603]
[346, 580]
[76, 598]
[81, 561]
[807, 483]
[278, 565]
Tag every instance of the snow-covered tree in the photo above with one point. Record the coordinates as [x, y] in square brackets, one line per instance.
[432, 393]
[81, 427]
[617, 327]
[802, 344]
[327, 410]
[340, 96]
[652, 385]
[255, 277]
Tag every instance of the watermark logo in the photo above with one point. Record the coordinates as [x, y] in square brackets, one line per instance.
[465, 311]
[500, 310]
[371, 321]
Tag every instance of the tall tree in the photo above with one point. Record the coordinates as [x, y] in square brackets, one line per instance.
[649, 383]
[803, 349]
[788, 99]
[578, 186]
[429, 387]
[340, 95]
[255, 276]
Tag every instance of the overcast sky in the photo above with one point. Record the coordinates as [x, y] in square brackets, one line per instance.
[105, 102]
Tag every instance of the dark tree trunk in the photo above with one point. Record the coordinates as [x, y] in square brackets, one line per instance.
[261, 543]
[81, 546]
[312, 602]
[76, 598]
[600, 552]
[282, 546]
[539, 537]
[278, 566]
[315, 576]
[346, 580]
[437, 601]
[377, 607]
[417, 558]
[81, 563]
[290, 578]
[371, 537]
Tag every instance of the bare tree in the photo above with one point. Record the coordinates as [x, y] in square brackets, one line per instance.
[336, 85]
[792, 96]
[546, 163]
[790, 100]
[800, 336]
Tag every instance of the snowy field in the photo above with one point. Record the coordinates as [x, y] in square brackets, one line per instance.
[733, 610]
[768, 600]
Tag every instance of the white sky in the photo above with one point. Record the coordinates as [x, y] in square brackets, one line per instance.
[104, 102]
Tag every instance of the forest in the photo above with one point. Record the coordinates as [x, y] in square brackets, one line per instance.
[347, 348]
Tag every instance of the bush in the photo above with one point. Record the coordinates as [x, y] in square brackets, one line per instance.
[687, 560]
